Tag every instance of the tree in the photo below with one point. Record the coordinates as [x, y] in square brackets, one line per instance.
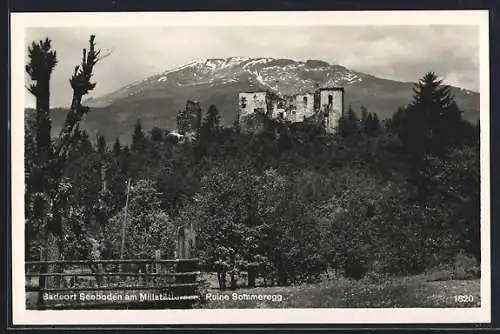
[244, 217]
[137, 137]
[431, 93]
[210, 129]
[156, 134]
[148, 228]
[431, 119]
[212, 120]
[117, 147]
[101, 145]
[372, 125]
[367, 225]
[453, 191]
[364, 115]
[349, 124]
[376, 124]
[46, 183]
[42, 60]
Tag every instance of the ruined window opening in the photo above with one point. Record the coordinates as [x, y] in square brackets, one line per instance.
[330, 99]
[305, 99]
[282, 115]
[243, 102]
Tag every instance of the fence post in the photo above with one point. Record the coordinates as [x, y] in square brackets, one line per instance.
[185, 266]
[41, 279]
[157, 269]
[157, 259]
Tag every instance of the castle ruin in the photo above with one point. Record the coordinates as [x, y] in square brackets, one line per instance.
[327, 104]
[189, 120]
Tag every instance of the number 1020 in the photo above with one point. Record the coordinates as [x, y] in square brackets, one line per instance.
[464, 298]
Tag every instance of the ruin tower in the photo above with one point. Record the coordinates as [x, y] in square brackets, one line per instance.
[189, 120]
[253, 108]
[331, 104]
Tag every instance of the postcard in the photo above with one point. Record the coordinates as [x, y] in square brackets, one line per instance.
[250, 168]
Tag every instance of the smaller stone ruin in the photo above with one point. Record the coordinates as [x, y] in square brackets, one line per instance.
[189, 120]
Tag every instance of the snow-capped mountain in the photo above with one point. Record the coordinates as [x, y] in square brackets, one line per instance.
[283, 76]
[157, 99]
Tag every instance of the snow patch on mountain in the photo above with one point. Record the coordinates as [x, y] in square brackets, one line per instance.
[260, 79]
[256, 62]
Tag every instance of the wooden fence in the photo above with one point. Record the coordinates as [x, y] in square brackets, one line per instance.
[112, 284]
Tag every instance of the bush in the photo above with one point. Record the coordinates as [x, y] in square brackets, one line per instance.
[466, 267]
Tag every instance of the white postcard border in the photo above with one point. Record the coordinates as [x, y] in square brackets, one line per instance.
[21, 316]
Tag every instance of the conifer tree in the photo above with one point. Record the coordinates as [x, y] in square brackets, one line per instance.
[368, 124]
[117, 148]
[427, 122]
[211, 124]
[349, 124]
[137, 137]
[364, 116]
[101, 145]
[375, 127]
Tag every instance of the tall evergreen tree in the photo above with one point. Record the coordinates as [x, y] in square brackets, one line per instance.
[137, 137]
[425, 124]
[117, 148]
[375, 127]
[348, 123]
[368, 124]
[396, 120]
[211, 124]
[101, 145]
[364, 116]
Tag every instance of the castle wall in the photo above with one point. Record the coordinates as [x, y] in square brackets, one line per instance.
[304, 107]
[297, 108]
[252, 108]
[252, 102]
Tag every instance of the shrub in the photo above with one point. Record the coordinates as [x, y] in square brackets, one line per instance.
[466, 267]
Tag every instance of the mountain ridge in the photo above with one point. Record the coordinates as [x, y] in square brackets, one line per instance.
[157, 99]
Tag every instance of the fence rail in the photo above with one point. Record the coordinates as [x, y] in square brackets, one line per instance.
[178, 277]
[111, 261]
[194, 273]
[112, 288]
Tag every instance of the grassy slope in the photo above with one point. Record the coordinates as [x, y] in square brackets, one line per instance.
[414, 292]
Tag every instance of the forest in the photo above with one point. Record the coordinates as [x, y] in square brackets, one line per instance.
[393, 197]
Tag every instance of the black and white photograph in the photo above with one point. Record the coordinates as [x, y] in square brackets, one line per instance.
[250, 167]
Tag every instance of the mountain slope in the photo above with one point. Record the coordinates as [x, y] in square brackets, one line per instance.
[157, 99]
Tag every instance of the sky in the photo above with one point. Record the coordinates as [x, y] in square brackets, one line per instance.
[402, 53]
